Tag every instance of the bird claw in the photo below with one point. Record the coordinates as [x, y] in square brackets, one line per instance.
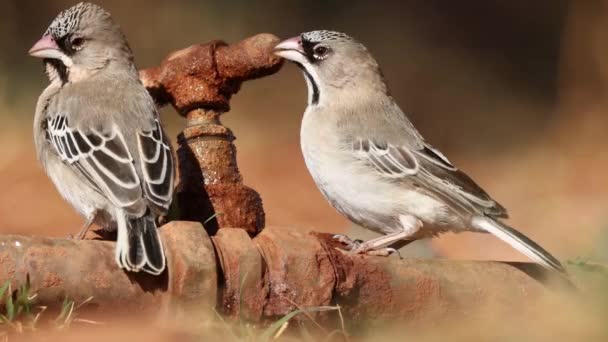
[384, 252]
[357, 246]
[348, 242]
[80, 236]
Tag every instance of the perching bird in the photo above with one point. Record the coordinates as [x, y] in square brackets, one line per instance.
[98, 134]
[373, 166]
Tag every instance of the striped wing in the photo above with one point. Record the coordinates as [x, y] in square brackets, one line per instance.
[429, 169]
[101, 157]
[157, 167]
[388, 160]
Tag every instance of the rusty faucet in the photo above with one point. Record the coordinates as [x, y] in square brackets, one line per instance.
[199, 82]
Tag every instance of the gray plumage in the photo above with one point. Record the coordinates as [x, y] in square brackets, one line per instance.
[370, 162]
[98, 135]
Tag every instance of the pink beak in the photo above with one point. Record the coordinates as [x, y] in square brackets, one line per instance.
[291, 44]
[46, 47]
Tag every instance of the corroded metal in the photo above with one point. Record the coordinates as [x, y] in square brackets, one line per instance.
[207, 75]
[244, 291]
[265, 277]
[79, 269]
[298, 270]
[199, 82]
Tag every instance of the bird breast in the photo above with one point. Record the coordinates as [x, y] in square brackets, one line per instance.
[354, 189]
[356, 194]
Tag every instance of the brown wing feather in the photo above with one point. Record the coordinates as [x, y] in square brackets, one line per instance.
[430, 170]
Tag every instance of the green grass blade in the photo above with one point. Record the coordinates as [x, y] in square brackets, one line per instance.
[66, 312]
[3, 289]
[24, 301]
[10, 308]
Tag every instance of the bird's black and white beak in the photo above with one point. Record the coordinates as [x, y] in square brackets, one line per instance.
[291, 49]
[47, 48]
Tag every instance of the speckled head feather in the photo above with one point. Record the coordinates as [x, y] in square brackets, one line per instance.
[332, 62]
[68, 20]
[86, 40]
[324, 35]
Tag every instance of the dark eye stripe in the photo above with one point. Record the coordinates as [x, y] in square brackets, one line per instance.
[65, 44]
[309, 48]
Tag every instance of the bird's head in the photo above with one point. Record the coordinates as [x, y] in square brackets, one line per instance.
[334, 64]
[81, 41]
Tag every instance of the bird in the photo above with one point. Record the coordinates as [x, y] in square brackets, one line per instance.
[98, 135]
[372, 164]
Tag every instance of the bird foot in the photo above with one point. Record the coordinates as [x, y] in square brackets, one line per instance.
[349, 243]
[356, 246]
[383, 252]
[80, 236]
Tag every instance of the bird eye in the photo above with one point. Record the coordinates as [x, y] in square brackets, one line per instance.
[321, 51]
[77, 43]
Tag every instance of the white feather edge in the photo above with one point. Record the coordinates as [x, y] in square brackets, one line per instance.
[122, 241]
[158, 153]
[151, 269]
[495, 229]
[122, 249]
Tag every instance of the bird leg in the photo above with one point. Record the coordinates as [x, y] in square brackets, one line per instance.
[85, 228]
[359, 247]
[380, 246]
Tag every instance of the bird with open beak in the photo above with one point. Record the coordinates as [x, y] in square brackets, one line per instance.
[373, 166]
[98, 134]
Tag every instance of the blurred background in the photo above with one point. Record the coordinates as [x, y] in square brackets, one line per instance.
[514, 92]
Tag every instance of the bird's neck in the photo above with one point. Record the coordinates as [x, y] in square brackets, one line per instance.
[59, 74]
[117, 68]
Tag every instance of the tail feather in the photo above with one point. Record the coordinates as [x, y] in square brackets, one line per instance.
[139, 247]
[153, 250]
[520, 242]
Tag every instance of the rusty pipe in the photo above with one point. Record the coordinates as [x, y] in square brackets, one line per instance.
[199, 82]
[261, 278]
[79, 269]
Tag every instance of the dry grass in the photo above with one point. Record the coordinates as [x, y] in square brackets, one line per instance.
[552, 317]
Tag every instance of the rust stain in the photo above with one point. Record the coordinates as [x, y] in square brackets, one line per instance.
[100, 279]
[298, 271]
[7, 265]
[342, 266]
[428, 297]
[60, 251]
[52, 280]
[373, 286]
[207, 75]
